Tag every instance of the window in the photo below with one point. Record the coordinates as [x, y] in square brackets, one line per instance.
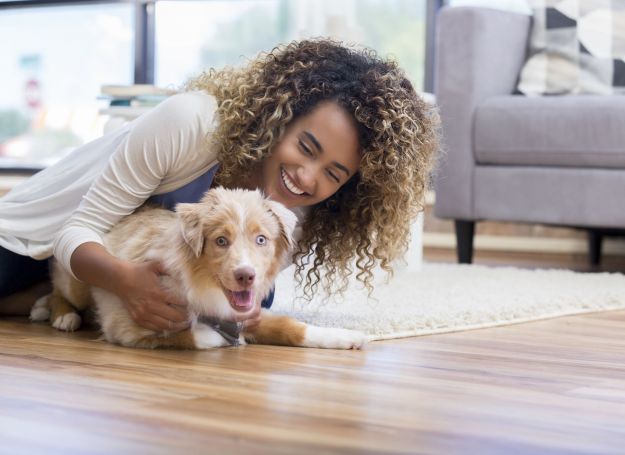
[193, 36]
[54, 61]
[56, 58]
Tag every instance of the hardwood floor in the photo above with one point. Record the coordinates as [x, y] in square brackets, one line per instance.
[555, 386]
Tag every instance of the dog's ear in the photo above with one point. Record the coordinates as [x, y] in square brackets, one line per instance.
[191, 227]
[286, 219]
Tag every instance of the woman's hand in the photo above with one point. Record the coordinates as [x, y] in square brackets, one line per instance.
[150, 305]
[251, 321]
[138, 285]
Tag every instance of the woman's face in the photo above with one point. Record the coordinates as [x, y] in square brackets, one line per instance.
[317, 155]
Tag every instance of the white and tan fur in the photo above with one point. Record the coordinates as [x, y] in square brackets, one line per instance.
[200, 271]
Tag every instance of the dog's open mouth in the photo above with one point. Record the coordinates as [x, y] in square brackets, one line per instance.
[240, 300]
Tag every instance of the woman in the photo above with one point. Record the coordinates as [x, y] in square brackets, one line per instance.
[336, 134]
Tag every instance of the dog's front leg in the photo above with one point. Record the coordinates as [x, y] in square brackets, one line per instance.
[286, 331]
[200, 336]
[205, 337]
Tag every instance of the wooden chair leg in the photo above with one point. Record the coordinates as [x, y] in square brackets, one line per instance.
[595, 241]
[464, 240]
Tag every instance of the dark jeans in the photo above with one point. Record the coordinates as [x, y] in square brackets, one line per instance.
[19, 272]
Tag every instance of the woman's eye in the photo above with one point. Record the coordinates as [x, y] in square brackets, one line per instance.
[221, 241]
[334, 177]
[261, 240]
[304, 147]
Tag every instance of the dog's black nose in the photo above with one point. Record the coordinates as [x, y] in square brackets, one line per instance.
[245, 276]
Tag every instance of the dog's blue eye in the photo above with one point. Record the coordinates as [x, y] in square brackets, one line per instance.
[261, 240]
[221, 241]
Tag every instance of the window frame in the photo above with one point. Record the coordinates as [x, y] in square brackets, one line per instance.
[141, 48]
[144, 30]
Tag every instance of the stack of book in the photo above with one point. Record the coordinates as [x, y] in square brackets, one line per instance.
[137, 95]
[127, 102]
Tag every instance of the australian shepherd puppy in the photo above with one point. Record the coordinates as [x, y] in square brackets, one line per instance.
[222, 255]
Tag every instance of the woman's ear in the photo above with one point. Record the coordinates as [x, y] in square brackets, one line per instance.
[191, 227]
[286, 219]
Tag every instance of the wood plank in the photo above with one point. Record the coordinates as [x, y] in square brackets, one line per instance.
[543, 387]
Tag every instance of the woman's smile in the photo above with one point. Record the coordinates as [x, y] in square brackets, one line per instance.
[290, 184]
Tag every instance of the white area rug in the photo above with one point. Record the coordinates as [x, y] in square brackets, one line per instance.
[441, 298]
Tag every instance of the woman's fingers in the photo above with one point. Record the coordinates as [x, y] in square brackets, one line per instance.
[163, 324]
[167, 316]
[175, 313]
[157, 313]
[157, 267]
[251, 324]
[149, 326]
[174, 301]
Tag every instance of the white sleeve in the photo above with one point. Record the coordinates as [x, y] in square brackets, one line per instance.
[155, 144]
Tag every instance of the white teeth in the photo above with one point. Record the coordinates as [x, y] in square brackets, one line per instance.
[290, 185]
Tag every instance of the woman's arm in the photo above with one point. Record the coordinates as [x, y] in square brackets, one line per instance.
[138, 285]
[158, 146]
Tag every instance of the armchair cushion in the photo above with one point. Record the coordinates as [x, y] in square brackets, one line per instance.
[569, 131]
[576, 47]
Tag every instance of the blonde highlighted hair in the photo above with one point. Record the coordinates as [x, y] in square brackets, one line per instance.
[367, 222]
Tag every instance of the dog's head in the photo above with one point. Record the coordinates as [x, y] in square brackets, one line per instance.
[234, 243]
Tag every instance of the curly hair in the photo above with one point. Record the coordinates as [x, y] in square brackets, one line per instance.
[367, 222]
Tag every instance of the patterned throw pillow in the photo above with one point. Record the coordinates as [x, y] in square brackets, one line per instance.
[576, 47]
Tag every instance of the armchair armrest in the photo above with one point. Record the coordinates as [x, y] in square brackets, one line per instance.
[479, 54]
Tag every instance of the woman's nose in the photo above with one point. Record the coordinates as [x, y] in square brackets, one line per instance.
[306, 178]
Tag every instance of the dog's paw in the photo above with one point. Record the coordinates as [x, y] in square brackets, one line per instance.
[205, 337]
[41, 309]
[328, 338]
[68, 322]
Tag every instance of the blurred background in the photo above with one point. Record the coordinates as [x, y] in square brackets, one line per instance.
[57, 55]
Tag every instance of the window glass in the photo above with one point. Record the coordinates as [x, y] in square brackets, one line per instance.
[54, 60]
[192, 36]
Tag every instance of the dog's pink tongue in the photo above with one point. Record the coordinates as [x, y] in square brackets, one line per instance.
[242, 299]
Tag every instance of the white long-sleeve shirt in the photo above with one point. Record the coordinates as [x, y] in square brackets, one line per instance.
[82, 196]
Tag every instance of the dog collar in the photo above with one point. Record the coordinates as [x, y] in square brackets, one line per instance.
[227, 329]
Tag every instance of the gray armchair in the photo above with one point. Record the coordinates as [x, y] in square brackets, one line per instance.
[546, 160]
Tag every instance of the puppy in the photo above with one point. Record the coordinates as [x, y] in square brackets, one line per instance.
[222, 255]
